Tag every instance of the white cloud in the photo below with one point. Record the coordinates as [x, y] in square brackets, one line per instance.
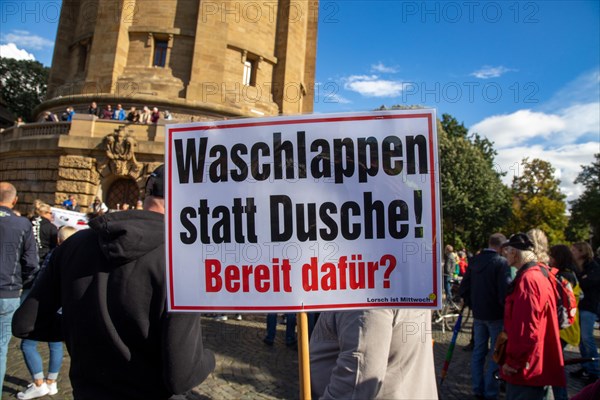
[373, 86]
[566, 126]
[487, 72]
[567, 161]
[11, 50]
[581, 119]
[335, 98]
[567, 138]
[27, 40]
[379, 67]
[509, 130]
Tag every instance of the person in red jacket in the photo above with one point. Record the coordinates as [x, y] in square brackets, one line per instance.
[533, 360]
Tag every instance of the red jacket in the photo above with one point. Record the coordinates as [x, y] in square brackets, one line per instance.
[531, 322]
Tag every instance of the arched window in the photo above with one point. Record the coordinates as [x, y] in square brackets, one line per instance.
[122, 191]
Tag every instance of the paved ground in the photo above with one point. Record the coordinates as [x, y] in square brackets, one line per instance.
[248, 369]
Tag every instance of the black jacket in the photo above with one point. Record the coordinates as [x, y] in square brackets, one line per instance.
[484, 285]
[46, 234]
[589, 280]
[18, 253]
[110, 282]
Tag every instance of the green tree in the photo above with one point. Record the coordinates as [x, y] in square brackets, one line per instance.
[585, 211]
[538, 201]
[475, 202]
[22, 85]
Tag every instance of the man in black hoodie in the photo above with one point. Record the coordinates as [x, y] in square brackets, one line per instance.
[110, 282]
[484, 289]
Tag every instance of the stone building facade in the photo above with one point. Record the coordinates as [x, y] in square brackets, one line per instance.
[201, 60]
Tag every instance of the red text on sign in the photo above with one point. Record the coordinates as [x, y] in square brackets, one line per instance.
[234, 278]
[353, 273]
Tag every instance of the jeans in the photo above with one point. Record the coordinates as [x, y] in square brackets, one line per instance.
[587, 346]
[7, 309]
[519, 392]
[33, 360]
[290, 328]
[484, 383]
[448, 287]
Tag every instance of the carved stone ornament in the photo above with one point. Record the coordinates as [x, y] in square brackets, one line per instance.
[120, 154]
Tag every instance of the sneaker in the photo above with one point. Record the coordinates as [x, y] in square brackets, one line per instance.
[238, 317]
[33, 392]
[52, 388]
[268, 342]
[221, 318]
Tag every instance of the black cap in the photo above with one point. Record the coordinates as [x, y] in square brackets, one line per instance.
[155, 185]
[519, 241]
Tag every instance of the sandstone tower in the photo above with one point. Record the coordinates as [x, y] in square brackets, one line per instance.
[193, 57]
[199, 59]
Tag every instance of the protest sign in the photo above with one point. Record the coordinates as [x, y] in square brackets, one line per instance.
[67, 217]
[303, 213]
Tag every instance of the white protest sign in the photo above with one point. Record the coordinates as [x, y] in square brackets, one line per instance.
[67, 217]
[303, 213]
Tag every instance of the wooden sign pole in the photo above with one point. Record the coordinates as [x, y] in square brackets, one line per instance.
[303, 356]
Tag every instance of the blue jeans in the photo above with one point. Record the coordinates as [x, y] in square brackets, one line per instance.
[290, 328]
[7, 309]
[485, 332]
[587, 346]
[33, 360]
[519, 392]
[448, 287]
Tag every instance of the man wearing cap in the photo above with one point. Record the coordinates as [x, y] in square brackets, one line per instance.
[110, 282]
[484, 289]
[533, 359]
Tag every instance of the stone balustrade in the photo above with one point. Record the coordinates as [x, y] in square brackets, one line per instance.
[37, 129]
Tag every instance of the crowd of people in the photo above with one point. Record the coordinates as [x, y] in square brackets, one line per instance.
[512, 289]
[146, 116]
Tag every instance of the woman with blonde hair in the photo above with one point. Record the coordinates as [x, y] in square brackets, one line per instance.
[40, 386]
[44, 230]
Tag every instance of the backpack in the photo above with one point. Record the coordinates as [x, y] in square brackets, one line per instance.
[566, 303]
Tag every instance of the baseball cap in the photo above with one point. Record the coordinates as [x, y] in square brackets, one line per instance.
[155, 185]
[519, 241]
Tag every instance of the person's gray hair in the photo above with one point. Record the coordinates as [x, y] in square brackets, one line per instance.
[540, 244]
[525, 256]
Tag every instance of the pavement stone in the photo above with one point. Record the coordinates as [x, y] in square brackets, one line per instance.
[247, 369]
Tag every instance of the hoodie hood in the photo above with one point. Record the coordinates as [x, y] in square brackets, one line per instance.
[126, 236]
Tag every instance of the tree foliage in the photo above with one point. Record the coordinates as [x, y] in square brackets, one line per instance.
[22, 85]
[475, 202]
[538, 201]
[585, 211]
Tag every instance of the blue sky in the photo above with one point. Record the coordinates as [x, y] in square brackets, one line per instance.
[524, 74]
